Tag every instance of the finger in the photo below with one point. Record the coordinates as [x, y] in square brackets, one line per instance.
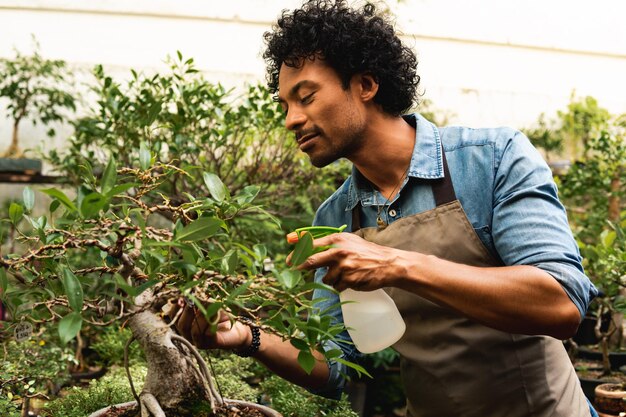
[332, 277]
[170, 309]
[335, 240]
[200, 331]
[185, 321]
[327, 258]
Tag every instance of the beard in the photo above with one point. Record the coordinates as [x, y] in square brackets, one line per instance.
[343, 144]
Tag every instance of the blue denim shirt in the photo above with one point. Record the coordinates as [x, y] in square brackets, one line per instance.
[507, 192]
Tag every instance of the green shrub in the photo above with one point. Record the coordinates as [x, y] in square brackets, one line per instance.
[109, 344]
[293, 401]
[111, 389]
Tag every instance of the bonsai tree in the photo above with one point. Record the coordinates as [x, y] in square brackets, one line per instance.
[34, 88]
[106, 255]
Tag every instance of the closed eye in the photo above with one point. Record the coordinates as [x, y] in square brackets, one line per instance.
[307, 99]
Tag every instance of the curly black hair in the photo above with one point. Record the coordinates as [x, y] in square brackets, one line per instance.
[351, 41]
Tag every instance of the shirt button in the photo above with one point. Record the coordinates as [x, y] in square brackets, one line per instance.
[392, 213]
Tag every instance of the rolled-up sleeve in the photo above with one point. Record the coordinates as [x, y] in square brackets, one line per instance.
[530, 224]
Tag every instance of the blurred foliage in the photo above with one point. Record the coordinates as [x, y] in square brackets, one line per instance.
[108, 344]
[569, 134]
[199, 126]
[37, 365]
[111, 389]
[593, 191]
[293, 401]
[36, 89]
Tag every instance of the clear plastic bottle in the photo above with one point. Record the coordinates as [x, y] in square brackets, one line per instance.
[372, 318]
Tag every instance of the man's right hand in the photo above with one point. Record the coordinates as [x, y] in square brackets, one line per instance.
[193, 326]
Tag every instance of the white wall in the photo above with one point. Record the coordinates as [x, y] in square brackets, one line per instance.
[489, 62]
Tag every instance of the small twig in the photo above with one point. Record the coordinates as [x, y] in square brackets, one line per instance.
[127, 368]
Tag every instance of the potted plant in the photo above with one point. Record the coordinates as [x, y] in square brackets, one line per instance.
[36, 89]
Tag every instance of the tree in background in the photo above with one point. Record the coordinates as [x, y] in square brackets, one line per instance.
[35, 88]
[569, 134]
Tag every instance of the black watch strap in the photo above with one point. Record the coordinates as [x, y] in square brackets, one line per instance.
[256, 339]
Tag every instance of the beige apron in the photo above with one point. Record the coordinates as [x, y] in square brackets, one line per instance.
[453, 366]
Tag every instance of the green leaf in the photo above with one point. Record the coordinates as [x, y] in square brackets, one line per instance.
[303, 249]
[109, 177]
[359, 369]
[69, 326]
[306, 361]
[608, 237]
[15, 212]
[148, 284]
[73, 289]
[229, 262]
[54, 205]
[119, 189]
[260, 251]
[4, 281]
[289, 278]
[145, 157]
[61, 197]
[200, 229]
[248, 194]
[216, 187]
[92, 204]
[29, 198]
[299, 344]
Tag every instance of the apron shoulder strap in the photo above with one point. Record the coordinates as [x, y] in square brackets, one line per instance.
[442, 187]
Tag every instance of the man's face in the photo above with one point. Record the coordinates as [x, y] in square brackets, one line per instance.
[327, 119]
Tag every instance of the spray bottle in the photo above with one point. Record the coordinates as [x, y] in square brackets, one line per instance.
[371, 317]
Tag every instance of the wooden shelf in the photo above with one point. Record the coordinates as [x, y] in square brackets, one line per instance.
[27, 178]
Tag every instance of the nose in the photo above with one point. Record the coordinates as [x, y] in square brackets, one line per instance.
[295, 119]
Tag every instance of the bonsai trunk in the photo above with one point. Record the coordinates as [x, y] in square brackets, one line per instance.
[603, 337]
[614, 200]
[175, 384]
[14, 150]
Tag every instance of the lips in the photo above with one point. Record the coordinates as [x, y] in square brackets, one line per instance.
[303, 141]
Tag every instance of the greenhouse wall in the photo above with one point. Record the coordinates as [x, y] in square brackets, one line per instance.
[483, 63]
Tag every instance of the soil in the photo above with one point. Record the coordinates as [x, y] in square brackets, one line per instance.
[225, 411]
[614, 377]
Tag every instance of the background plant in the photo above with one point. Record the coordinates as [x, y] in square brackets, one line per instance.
[35, 89]
[593, 192]
[200, 126]
[568, 134]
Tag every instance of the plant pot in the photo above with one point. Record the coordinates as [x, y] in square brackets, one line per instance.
[617, 359]
[268, 412]
[610, 399]
[21, 165]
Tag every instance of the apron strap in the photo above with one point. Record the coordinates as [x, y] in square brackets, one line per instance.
[443, 191]
[442, 187]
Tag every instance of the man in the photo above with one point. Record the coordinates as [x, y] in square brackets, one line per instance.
[462, 227]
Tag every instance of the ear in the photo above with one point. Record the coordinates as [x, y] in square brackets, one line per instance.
[366, 85]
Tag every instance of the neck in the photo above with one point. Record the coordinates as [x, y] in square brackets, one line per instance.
[385, 154]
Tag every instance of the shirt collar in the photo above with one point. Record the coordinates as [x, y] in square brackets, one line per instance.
[426, 161]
